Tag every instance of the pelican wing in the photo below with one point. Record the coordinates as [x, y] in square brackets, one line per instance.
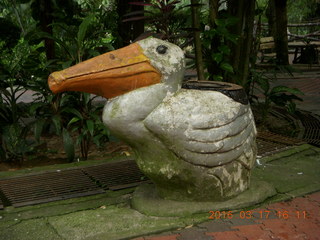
[204, 128]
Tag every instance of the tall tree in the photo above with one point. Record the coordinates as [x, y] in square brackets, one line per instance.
[270, 13]
[213, 66]
[244, 11]
[281, 36]
[197, 41]
[46, 20]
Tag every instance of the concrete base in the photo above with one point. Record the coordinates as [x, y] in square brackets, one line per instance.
[146, 201]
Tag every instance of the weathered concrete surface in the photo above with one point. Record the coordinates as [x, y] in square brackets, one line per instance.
[293, 172]
[31, 229]
[146, 200]
[109, 216]
[113, 223]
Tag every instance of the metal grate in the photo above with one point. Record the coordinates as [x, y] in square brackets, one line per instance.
[311, 128]
[59, 185]
[276, 138]
[115, 176]
[266, 147]
[47, 187]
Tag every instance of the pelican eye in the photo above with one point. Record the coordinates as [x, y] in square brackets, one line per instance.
[162, 49]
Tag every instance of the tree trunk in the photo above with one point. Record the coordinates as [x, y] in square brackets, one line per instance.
[197, 40]
[46, 19]
[270, 13]
[247, 44]
[244, 10]
[128, 31]
[212, 66]
[281, 35]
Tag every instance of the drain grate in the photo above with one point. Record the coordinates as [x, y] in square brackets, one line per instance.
[306, 122]
[266, 147]
[276, 138]
[116, 176]
[311, 128]
[47, 187]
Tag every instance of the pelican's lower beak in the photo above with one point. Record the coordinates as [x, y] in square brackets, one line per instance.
[108, 75]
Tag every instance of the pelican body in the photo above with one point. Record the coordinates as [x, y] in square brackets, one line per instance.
[195, 145]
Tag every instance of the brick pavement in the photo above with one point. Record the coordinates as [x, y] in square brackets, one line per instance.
[297, 219]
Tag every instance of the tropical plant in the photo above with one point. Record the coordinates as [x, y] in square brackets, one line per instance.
[272, 95]
[15, 75]
[25, 65]
[217, 60]
[84, 115]
[86, 122]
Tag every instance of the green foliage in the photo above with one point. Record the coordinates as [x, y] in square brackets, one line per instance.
[279, 95]
[15, 143]
[80, 31]
[68, 145]
[216, 48]
[302, 10]
[86, 121]
[16, 68]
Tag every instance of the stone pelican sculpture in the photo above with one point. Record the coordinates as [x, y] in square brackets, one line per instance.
[195, 145]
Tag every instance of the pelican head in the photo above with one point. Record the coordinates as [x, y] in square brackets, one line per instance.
[144, 63]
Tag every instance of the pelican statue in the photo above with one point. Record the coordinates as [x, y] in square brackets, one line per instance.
[195, 145]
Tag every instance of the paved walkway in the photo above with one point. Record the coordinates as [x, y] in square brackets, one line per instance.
[298, 219]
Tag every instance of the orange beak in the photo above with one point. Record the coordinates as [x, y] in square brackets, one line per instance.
[108, 75]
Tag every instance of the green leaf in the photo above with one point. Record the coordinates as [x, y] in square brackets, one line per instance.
[83, 28]
[35, 106]
[73, 120]
[57, 123]
[217, 78]
[217, 57]
[66, 64]
[231, 20]
[38, 127]
[227, 67]
[224, 49]
[68, 145]
[86, 98]
[73, 111]
[96, 139]
[90, 126]
[220, 22]
[263, 84]
[279, 89]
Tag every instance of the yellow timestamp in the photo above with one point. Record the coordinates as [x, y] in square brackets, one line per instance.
[259, 214]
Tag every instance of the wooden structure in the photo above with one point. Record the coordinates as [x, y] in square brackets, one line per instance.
[267, 48]
[304, 52]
